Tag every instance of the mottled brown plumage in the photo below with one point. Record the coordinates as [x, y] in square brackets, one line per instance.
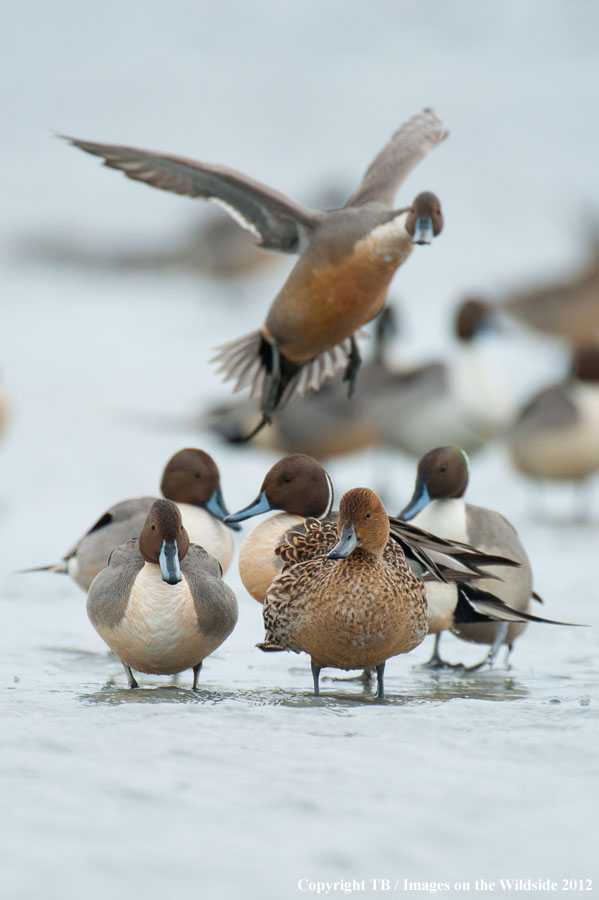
[347, 613]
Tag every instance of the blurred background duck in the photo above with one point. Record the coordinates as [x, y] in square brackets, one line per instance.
[567, 309]
[463, 400]
[215, 246]
[191, 479]
[161, 604]
[556, 434]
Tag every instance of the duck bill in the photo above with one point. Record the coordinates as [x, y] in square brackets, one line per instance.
[260, 505]
[216, 505]
[420, 499]
[423, 231]
[169, 562]
[346, 544]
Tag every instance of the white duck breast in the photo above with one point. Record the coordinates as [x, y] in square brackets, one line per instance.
[159, 632]
[208, 532]
[258, 563]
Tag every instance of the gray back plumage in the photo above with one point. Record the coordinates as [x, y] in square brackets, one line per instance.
[109, 592]
[215, 602]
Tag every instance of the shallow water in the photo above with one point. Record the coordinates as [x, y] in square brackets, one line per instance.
[251, 784]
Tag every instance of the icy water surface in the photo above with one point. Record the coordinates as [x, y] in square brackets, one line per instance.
[252, 786]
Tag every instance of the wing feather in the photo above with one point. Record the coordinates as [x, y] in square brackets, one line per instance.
[278, 222]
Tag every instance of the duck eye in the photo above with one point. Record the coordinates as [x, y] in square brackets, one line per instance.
[198, 474]
[287, 478]
[153, 527]
[443, 469]
[367, 515]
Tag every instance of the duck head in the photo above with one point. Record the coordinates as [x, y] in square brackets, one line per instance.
[474, 317]
[442, 474]
[585, 363]
[163, 540]
[425, 219]
[191, 476]
[297, 484]
[363, 522]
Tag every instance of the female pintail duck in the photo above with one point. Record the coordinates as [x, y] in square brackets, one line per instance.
[556, 435]
[347, 256]
[192, 480]
[461, 401]
[352, 605]
[438, 505]
[161, 604]
[298, 488]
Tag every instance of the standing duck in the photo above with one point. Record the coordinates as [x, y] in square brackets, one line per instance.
[350, 606]
[556, 435]
[347, 257]
[438, 505]
[161, 604]
[192, 480]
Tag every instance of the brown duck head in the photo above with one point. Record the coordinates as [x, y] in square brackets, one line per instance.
[425, 219]
[163, 539]
[442, 474]
[297, 484]
[192, 476]
[473, 317]
[363, 523]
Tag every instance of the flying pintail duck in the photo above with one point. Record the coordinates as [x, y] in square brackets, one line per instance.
[347, 257]
[192, 480]
[461, 401]
[506, 595]
[349, 606]
[298, 488]
[556, 435]
[161, 604]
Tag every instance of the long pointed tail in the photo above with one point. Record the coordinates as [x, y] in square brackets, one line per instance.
[60, 567]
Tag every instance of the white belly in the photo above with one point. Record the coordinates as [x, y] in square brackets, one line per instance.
[446, 518]
[258, 563]
[159, 632]
[207, 531]
[568, 453]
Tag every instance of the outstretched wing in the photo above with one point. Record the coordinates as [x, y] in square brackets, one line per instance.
[410, 143]
[277, 222]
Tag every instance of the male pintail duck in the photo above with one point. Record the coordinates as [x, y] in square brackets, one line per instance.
[161, 604]
[556, 435]
[347, 256]
[192, 480]
[438, 505]
[298, 488]
[352, 605]
[461, 401]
